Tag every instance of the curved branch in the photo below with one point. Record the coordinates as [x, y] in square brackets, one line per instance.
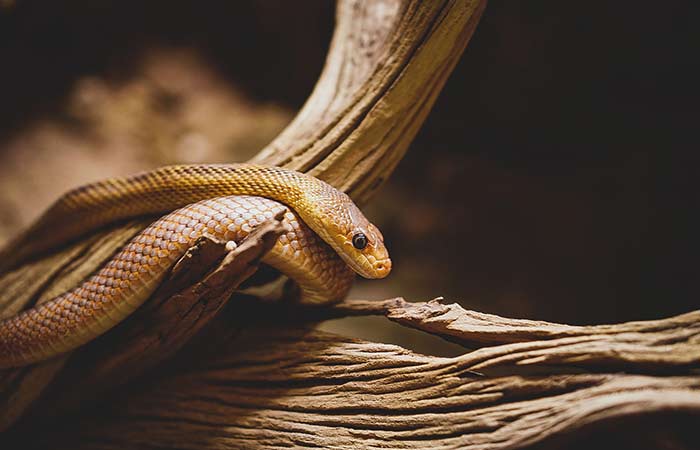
[388, 61]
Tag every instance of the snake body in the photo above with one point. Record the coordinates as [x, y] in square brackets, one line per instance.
[223, 201]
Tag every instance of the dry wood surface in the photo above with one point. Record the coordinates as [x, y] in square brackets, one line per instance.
[272, 386]
[200, 368]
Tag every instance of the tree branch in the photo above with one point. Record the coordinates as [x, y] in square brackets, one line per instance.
[272, 388]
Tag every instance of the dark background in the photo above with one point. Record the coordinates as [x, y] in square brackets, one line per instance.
[556, 177]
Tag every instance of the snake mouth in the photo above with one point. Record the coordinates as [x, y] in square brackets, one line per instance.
[376, 268]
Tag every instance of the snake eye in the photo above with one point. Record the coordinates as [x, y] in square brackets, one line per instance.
[359, 241]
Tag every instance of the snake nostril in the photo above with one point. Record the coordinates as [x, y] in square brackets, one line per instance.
[383, 268]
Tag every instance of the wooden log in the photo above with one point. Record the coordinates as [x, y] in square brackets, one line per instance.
[278, 387]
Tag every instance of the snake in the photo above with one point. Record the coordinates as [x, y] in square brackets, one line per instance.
[327, 240]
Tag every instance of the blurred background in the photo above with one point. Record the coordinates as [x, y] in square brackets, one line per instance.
[555, 179]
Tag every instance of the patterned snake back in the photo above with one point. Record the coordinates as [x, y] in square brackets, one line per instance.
[323, 224]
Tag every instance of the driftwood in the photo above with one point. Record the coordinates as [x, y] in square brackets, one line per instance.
[282, 384]
[199, 368]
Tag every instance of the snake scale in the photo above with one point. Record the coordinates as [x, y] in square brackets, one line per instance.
[327, 238]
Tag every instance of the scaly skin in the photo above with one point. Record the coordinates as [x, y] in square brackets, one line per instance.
[130, 277]
[328, 212]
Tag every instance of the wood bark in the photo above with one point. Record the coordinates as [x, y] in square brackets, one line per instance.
[201, 368]
[275, 386]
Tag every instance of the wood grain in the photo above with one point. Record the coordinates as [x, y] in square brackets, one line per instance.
[295, 387]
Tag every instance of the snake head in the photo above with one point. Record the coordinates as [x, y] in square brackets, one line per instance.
[341, 224]
[372, 257]
[358, 242]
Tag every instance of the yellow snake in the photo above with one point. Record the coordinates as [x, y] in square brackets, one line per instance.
[223, 201]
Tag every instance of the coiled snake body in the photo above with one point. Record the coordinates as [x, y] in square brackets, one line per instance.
[327, 236]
